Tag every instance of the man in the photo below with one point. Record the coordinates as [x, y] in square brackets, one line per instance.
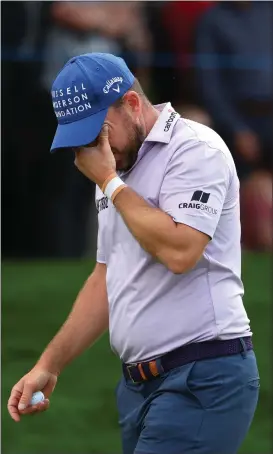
[167, 278]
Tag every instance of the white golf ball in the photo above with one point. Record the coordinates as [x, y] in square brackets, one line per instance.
[37, 398]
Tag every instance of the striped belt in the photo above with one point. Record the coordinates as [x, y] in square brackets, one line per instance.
[148, 370]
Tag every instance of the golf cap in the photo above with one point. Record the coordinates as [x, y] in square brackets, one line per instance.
[82, 92]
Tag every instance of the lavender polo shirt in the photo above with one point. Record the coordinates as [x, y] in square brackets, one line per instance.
[186, 170]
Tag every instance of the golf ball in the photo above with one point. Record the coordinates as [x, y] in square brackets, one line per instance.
[37, 398]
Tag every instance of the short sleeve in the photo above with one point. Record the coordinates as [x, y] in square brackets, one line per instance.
[195, 187]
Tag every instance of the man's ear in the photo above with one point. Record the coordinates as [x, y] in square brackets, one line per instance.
[132, 101]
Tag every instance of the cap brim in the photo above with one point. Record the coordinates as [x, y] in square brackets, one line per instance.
[78, 133]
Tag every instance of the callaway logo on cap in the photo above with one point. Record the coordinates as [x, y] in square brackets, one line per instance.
[82, 93]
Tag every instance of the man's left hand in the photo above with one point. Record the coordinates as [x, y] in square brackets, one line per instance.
[97, 163]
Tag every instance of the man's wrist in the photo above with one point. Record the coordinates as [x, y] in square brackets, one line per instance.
[108, 179]
[112, 186]
[49, 365]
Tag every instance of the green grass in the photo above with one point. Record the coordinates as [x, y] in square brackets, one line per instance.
[36, 297]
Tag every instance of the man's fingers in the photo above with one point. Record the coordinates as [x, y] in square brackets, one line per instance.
[14, 397]
[103, 137]
[49, 388]
[31, 409]
[26, 396]
[38, 408]
[14, 401]
[13, 410]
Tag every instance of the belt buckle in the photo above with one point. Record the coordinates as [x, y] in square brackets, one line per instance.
[128, 370]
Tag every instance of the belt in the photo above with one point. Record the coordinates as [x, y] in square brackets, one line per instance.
[148, 370]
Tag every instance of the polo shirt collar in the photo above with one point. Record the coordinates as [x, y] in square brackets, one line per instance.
[161, 132]
[164, 125]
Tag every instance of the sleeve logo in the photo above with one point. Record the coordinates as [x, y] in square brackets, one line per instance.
[201, 197]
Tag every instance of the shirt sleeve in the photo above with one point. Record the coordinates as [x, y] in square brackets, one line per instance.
[100, 250]
[195, 187]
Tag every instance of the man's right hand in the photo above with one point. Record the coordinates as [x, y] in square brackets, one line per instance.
[88, 320]
[38, 379]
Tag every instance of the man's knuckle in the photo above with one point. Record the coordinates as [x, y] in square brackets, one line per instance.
[30, 384]
[15, 389]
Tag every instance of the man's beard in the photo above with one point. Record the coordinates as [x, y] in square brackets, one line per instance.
[130, 152]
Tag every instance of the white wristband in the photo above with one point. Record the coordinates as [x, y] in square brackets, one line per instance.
[112, 187]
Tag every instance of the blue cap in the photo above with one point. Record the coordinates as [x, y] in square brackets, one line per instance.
[82, 93]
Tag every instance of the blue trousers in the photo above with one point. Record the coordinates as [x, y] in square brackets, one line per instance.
[205, 407]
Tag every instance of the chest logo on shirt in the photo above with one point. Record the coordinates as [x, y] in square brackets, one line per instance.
[102, 204]
[199, 196]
